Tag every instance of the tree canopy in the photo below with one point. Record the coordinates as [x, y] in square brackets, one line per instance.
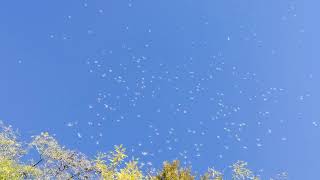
[57, 162]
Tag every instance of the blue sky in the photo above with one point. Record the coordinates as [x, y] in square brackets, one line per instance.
[207, 82]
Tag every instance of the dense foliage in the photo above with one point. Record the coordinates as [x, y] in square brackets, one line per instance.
[57, 162]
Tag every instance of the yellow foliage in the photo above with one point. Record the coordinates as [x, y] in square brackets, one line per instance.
[10, 170]
[9, 145]
[130, 172]
[117, 156]
[172, 171]
[241, 172]
[57, 162]
[212, 174]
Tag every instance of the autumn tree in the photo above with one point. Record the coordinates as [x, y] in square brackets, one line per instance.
[57, 162]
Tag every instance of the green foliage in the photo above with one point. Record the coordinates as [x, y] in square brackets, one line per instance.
[57, 162]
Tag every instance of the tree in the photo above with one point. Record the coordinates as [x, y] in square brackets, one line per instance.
[57, 162]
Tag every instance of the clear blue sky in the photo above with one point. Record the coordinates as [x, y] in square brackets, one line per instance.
[207, 82]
